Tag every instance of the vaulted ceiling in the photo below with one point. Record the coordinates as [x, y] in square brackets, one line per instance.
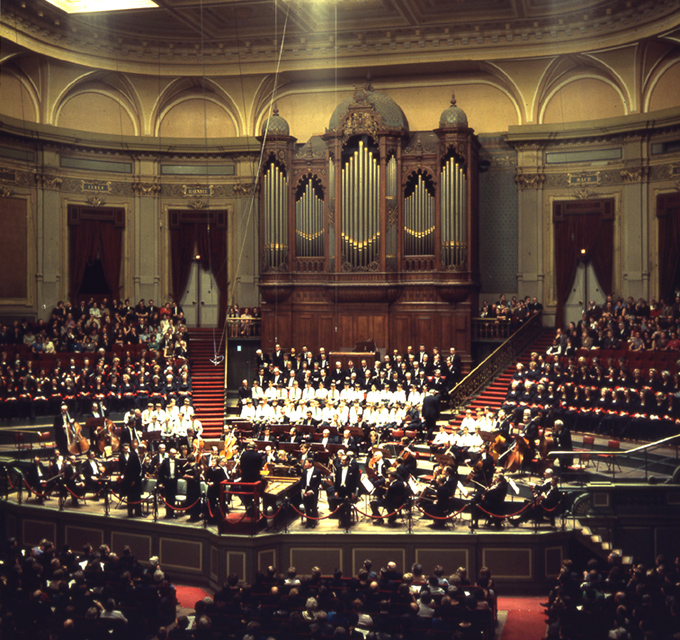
[235, 37]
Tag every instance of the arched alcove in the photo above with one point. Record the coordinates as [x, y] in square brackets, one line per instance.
[583, 99]
[197, 118]
[111, 117]
[17, 101]
[665, 92]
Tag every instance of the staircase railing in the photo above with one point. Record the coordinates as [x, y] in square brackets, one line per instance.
[497, 362]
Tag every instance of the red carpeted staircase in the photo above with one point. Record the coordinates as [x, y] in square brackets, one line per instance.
[494, 394]
[207, 379]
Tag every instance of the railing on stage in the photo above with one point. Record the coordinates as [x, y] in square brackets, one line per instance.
[497, 362]
[611, 456]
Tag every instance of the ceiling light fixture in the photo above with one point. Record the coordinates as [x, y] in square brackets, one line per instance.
[93, 6]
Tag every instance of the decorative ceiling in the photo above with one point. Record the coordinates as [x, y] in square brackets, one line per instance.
[247, 36]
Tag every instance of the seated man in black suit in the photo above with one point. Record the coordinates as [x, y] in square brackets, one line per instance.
[37, 477]
[490, 502]
[395, 496]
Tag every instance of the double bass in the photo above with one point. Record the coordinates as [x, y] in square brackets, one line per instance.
[107, 438]
[77, 442]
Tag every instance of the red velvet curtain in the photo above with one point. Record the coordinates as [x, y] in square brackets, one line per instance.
[668, 212]
[89, 238]
[587, 237]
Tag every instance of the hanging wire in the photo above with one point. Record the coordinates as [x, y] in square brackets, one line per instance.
[218, 356]
[256, 180]
[337, 176]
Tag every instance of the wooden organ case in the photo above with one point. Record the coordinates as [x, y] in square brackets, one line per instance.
[369, 232]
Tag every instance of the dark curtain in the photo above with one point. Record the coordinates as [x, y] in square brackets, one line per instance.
[212, 246]
[111, 252]
[182, 243]
[574, 233]
[89, 238]
[669, 245]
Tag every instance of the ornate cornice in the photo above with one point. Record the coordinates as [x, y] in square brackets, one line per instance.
[6, 192]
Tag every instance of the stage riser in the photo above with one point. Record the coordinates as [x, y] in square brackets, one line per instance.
[520, 562]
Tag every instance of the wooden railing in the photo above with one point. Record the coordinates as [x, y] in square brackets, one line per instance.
[243, 328]
[490, 329]
[497, 362]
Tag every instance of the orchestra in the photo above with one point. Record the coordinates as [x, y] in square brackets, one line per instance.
[301, 433]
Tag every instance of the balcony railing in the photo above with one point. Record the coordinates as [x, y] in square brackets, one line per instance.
[498, 361]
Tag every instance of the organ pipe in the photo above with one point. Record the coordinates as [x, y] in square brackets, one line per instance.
[360, 208]
[309, 227]
[454, 213]
[419, 212]
[275, 200]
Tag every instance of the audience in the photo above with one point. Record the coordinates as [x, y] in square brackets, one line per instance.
[382, 605]
[110, 353]
[610, 601]
[60, 594]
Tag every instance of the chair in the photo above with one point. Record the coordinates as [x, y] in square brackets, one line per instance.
[589, 441]
[609, 457]
[21, 443]
[45, 439]
[148, 491]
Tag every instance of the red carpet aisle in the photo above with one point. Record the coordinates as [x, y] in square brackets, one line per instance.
[207, 379]
[187, 597]
[520, 619]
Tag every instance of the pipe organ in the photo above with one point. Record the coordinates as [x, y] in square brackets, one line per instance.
[419, 216]
[453, 193]
[309, 224]
[380, 241]
[360, 210]
[275, 213]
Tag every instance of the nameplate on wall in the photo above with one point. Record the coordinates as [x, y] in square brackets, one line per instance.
[95, 186]
[194, 190]
[580, 179]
